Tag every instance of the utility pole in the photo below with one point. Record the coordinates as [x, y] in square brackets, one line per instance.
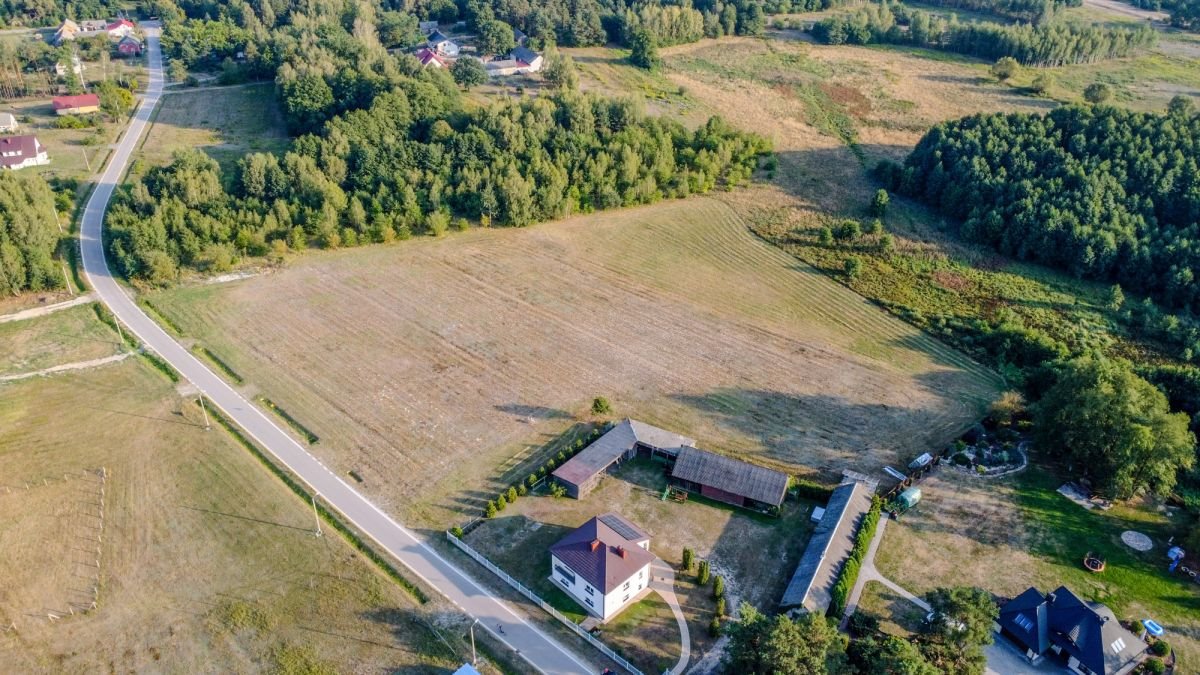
[205, 411]
[316, 515]
[474, 659]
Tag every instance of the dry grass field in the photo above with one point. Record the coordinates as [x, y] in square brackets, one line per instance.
[433, 367]
[207, 562]
[223, 122]
[66, 336]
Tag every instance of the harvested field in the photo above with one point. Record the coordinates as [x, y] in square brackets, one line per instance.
[427, 366]
[67, 336]
[207, 563]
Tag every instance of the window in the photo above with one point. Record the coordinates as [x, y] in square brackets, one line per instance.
[588, 590]
[641, 574]
[567, 577]
[1024, 622]
[626, 587]
[1118, 645]
[626, 598]
[589, 602]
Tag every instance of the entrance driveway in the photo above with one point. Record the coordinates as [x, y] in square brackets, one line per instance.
[1004, 659]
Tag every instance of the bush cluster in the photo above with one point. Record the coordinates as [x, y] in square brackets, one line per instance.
[849, 573]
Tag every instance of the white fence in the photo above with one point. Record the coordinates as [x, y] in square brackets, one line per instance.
[523, 590]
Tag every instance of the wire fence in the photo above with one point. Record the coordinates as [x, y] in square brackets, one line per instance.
[525, 591]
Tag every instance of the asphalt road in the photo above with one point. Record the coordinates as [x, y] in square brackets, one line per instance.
[540, 650]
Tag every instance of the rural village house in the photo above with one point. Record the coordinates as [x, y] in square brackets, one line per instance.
[19, 152]
[604, 564]
[1087, 634]
[129, 46]
[72, 30]
[428, 58]
[441, 44]
[8, 123]
[519, 60]
[60, 68]
[83, 104]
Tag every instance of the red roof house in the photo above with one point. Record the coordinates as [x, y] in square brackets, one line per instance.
[18, 152]
[83, 104]
[121, 28]
[428, 57]
[129, 46]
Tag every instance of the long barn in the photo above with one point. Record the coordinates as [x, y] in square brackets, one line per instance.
[729, 480]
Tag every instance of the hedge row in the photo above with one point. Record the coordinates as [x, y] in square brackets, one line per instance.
[849, 574]
[520, 488]
[807, 489]
[292, 422]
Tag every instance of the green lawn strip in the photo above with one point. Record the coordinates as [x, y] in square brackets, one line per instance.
[153, 359]
[292, 422]
[159, 316]
[328, 516]
[219, 363]
[1065, 532]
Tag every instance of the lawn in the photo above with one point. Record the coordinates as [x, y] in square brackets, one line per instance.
[223, 122]
[1004, 535]
[897, 614]
[206, 563]
[74, 153]
[459, 358]
[67, 336]
[756, 555]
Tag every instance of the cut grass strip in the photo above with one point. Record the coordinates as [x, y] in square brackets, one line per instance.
[159, 316]
[326, 515]
[219, 363]
[153, 359]
[291, 421]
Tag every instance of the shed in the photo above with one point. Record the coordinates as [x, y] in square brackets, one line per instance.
[580, 474]
[8, 123]
[828, 548]
[83, 104]
[729, 480]
[909, 497]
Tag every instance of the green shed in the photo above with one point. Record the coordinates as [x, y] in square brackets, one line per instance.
[909, 498]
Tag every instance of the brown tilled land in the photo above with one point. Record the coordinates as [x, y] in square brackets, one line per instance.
[433, 368]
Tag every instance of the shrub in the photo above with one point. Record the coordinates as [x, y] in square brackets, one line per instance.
[557, 490]
[849, 572]
[561, 456]
[825, 236]
[810, 490]
[961, 459]
[848, 230]
[703, 573]
[980, 469]
[689, 559]
[714, 627]
[532, 480]
[718, 587]
[721, 606]
[853, 266]
[1155, 666]
[601, 406]
[1160, 648]
[879, 203]
[522, 490]
[1137, 628]
[501, 503]
[490, 511]
[511, 495]
[457, 532]
[863, 625]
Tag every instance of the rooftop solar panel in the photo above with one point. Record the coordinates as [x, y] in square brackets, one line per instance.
[620, 527]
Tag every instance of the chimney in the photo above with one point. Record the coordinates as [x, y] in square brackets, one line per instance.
[595, 545]
[1050, 598]
[622, 552]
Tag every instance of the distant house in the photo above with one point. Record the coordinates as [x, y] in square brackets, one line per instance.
[519, 36]
[441, 44]
[811, 586]
[61, 70]
[19, 152]
[129, 46]
[83, 104]
[430, 58]
[120, 28]
[72, 30]
[1086, 634]
[604, 564]
[427, 27]
[8, 123]
[519, 61]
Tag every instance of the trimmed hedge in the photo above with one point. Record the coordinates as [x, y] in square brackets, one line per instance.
[807, 489]
[849, 572]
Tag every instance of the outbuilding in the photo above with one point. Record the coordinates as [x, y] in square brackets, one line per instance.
[729, 480]
[83, 104]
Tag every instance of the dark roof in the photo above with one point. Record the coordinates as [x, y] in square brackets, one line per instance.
[828, 547]
[80, 101]
[730, 475]
[437, 36]
[524, 54]
[518, 34]
[611, 446]
[594, 551]
[25, 146]
[1088, 631]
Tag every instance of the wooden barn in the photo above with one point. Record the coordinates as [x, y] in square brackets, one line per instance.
[729, 480]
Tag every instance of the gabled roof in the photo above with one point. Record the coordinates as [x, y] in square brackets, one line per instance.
[427, 56]
[437, 36]
[119, 23]
[524, 55]
[828, 547]
[616, 442]
[731, 475]
[71, 102]
[604, 551]
[1086, 630]
[16, 149]
[130, 39]
[1025, 617]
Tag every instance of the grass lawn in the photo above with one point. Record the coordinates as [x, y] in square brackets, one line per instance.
[207, 562]
[71, 151]
[647, 630]
[897, 615]
[66, 336]
[1008, 534]
[224, 122]
[756, 555]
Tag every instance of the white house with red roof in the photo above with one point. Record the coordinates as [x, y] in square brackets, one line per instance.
[120, 28]
[20, 152]
[430, 58]
[604, 564]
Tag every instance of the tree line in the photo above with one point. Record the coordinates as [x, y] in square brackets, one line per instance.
[36, 13]
[1184, 14]
[1050, 44]
[1028, 11]
[28, 235]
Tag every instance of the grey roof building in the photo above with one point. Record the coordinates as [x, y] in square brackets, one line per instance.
[1086, 634]
[828, 548]
[729, 480]
[580, 474]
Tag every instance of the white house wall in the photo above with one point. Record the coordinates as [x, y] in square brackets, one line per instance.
[603, 606]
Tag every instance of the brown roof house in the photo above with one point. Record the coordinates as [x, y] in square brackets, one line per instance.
[83, 104]
[19, 152]
[604, 564]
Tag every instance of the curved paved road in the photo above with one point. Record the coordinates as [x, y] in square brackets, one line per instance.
[540, 650]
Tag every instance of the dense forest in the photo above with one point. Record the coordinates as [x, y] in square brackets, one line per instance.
[1050, 44]
[34, 13]
[28, 235]
[1102, 192]
[1029, 11]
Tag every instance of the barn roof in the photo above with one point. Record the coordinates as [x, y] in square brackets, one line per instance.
[604, 551]
[612, 445]
[730, 475]
[827, 548]
[524, 55]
